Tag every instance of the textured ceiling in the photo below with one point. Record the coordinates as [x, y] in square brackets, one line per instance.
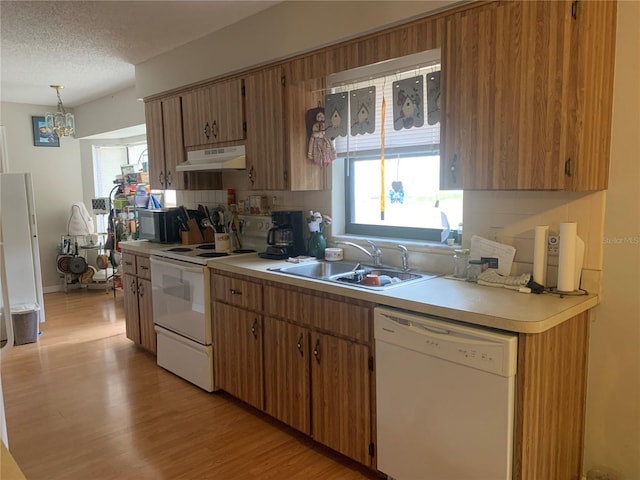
[91, 47]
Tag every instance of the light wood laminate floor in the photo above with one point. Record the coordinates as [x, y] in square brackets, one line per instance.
[85, 403]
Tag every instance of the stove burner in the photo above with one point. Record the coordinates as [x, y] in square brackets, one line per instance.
[207, 246]
[212, 254]
[179, 249]
[243, 250]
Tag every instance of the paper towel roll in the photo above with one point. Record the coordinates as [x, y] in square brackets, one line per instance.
[540, 241]
[567, 257]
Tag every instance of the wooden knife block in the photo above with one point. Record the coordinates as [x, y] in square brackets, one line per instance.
[194, 235]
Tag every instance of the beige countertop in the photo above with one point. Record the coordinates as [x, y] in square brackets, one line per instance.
[444, 297]
[441, 296]
[142, 247]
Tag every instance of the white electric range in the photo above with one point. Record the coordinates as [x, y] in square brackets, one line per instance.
[180, 282]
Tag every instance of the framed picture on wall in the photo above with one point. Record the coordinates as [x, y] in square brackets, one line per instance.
[42, 137]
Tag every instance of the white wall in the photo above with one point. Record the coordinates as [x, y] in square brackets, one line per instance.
[64, 175]
[283, 30]
[56, 175]
[106, 114]
[613, 400]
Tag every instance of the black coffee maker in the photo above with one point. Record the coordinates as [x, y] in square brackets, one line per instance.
[286, 238]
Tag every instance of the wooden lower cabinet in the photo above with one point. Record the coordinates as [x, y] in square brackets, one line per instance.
[306, 358]
[286, 373]
[551, 401]
[341, 396]
[138, 308]
[131, 313]
[238, 353]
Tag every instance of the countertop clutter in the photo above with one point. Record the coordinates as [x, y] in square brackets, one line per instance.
[443, 297]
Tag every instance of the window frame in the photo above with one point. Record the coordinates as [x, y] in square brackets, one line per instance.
[389, 231]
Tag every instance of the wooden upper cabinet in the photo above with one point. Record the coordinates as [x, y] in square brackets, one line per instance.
[265, 144]
[304, 174]
[155, 143]
[512, 90]
[213, 114]
[165, 142]
[174, 153]
[593, 53]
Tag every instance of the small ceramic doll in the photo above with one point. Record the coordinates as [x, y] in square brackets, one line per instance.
[321, 149]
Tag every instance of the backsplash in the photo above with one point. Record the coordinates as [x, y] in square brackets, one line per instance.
[510, 217]
[505, 216]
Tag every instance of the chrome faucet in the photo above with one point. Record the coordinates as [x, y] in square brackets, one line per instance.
[405, 257]
[375, 254]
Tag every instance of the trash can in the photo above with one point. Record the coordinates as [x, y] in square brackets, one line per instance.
[25, 323]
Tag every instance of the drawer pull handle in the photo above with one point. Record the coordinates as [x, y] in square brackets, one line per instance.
[144, 268]
[254, 329]
[235, 292]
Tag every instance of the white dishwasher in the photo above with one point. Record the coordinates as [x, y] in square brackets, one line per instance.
[444, 397]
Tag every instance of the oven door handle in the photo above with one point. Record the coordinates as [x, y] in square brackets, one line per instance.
[175, 264]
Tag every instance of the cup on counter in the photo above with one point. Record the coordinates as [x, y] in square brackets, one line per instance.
[333, 254]
[222, 241]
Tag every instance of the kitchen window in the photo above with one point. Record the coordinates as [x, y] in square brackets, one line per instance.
[408, 204]
[107, 162]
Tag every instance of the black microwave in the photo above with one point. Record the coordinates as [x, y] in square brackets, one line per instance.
[159, 225]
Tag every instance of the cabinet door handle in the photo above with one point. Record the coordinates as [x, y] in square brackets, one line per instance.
[254, 328]
[235, 292]
[169, 179]
[453, 168]
[316, 350]
[133, 287]
[567, 167]
[207, 130]
[251, 177]
[141, 290]
[299, 345]
[161, 177]
[214, 129]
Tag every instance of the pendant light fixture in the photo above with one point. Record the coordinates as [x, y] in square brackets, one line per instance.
[61, 122]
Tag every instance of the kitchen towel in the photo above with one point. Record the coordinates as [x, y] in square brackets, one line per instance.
[570, 258]
[541, 238]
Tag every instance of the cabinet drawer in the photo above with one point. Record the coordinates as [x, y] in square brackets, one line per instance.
[346, 318]
[129, 263]
[237, 292]
[143, 267]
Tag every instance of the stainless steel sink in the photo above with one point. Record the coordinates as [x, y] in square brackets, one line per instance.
[319, 270]
[353, 274]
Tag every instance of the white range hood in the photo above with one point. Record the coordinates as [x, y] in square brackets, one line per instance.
[225, 158]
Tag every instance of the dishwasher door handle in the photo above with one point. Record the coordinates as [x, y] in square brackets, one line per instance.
[434, 332]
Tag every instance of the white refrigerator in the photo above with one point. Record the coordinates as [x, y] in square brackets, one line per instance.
[19, 254]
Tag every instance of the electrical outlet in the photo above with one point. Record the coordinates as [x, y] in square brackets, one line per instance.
[553, 245]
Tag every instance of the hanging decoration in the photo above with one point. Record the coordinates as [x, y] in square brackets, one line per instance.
[321, 150]
[433, 98]
[363, 109]
[396, 194]
[382, 115]
[336, 110]
[408, 105]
